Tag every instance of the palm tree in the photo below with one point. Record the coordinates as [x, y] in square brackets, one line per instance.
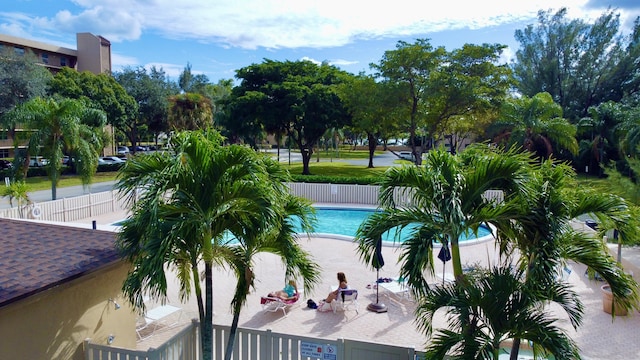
[445, 199]
[17, 190]
[536, 124]
[541, 232]
[185, 206]
[495, 306]
[62, 126]
[600, 128]
[277, 239]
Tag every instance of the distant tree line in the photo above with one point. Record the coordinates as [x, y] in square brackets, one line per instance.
[570, 93]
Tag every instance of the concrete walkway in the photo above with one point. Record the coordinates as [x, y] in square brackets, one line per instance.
[599, 337]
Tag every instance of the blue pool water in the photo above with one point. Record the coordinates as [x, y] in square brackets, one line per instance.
[345, 221]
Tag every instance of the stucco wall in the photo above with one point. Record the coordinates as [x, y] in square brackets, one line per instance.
[53, 324]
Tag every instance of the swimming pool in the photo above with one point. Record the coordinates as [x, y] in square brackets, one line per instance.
[343, 223]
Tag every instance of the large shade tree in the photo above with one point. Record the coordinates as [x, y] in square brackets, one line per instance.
[150, 91]
[299, 98]
[99, 91]
[21, 79]
[373, 107]
[411, 67]
[580, 64]
[185, 206]
[59, 127]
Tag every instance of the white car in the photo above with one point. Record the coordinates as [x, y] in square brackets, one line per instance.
[407, 155]
[122, 150]
[111, 160]
[38, 161]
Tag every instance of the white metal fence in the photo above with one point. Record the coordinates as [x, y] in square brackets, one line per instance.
[184, 345]
[87, 206]
[68, 209]
[254, 344]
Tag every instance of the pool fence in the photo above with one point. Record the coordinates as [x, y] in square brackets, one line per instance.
[95, 204]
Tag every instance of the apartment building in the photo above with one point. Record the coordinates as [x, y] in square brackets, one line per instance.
[93, 53]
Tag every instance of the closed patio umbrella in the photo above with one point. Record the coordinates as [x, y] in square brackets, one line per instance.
[378, 262]
[444, 255]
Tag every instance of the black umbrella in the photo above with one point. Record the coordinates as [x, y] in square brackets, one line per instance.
[444, 255]
[378, 262]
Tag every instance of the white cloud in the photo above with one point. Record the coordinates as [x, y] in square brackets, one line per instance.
[277, 24]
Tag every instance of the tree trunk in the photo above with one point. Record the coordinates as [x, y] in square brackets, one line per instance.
[232, 335]
[206, 326]
[306, 153]
[373, 142]
[515, 348]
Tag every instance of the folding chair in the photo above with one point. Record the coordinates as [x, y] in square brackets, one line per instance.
[346, 298]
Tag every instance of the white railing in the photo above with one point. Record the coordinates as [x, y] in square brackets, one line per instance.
[87, 206]
[254, 344]
[68, 209]
[182, 346]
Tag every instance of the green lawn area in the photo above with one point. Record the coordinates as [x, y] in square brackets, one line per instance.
[43, 183]
[326, 168]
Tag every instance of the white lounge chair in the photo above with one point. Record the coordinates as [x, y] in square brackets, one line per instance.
[154, 317]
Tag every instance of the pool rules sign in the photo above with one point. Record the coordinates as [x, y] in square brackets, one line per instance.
[318, 351]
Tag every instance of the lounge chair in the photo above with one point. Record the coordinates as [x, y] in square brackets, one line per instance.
[273, 304]
[154, 317]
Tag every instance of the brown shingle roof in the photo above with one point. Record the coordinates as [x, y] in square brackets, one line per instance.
[35, 257]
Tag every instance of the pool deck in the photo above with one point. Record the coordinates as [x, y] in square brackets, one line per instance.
[599, 337]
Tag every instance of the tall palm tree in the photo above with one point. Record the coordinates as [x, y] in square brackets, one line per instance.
[601, 131]
[541, 233]
[278, 238]
[62, 126]
[496, 306]
[536, 124]
[446, 197]
[185, 205]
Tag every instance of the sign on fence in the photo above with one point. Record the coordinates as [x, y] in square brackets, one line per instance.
[318, 351]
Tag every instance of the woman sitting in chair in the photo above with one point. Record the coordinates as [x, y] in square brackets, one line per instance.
[342, 285]
[290, 290]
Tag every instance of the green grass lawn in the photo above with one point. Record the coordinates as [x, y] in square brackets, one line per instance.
[326, 168]
[43, 183]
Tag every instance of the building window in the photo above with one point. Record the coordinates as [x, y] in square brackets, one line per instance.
[18, 50]
[4, 135]
[63, 61]
[45, 58]
[4, 153]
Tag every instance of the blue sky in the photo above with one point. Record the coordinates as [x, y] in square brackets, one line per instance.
[218, 37]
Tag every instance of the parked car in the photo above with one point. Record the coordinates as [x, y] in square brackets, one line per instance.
[112, 159]
[5, 164]
[38, 161]
[138, 148]
[122, 150]
[407, 155]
